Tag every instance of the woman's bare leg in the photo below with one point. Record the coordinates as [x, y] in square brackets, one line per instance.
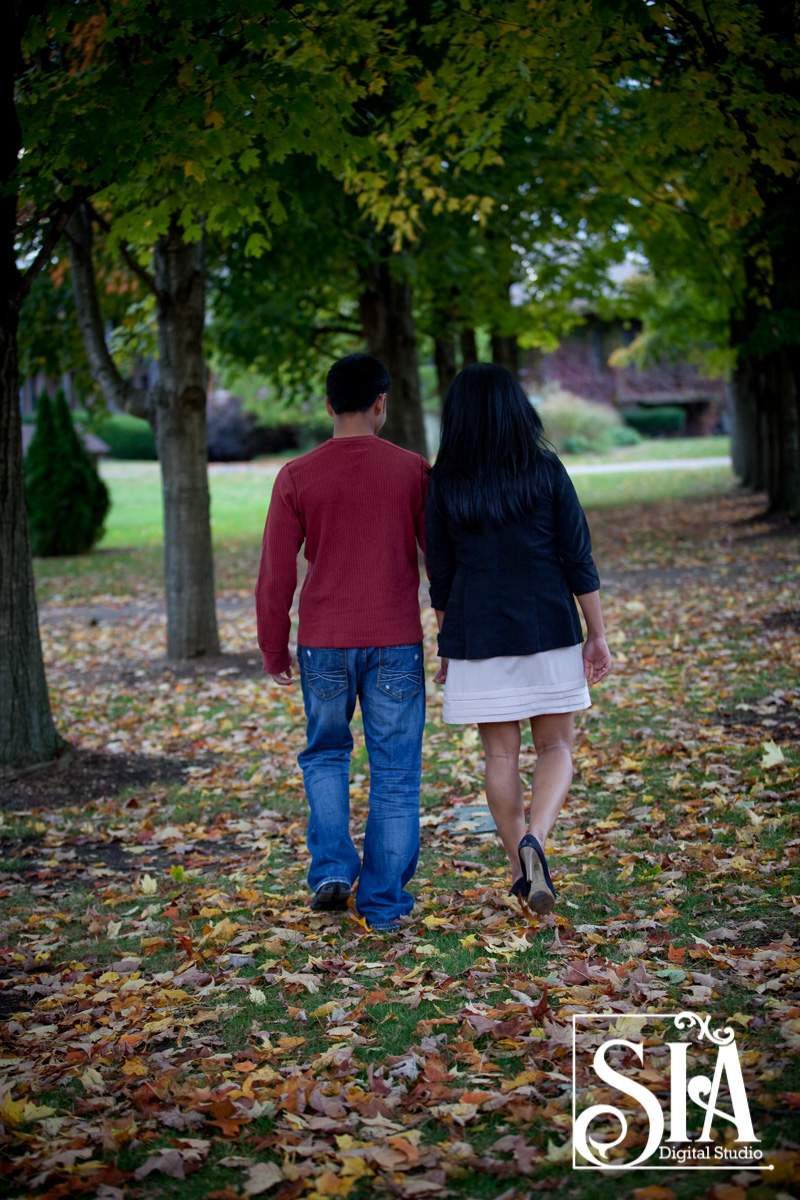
[501, 743]
[552, 740]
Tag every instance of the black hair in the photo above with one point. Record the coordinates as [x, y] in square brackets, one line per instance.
[487, 468]
[355, 382]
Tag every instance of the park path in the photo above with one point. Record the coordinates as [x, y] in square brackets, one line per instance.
[651, 464]
[607, 468]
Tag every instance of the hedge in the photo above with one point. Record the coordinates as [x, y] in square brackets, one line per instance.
[128, 437]
[658, 420]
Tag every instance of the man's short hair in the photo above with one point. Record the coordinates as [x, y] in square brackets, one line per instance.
[355, 382]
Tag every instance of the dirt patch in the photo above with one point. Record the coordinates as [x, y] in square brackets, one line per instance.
[773, 931]
[783, 620]
[776, 717]
[13, 1001]
[243, 665]
[84, 776]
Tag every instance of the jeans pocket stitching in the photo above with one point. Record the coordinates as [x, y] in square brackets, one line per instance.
[414, 679]
[313, 676]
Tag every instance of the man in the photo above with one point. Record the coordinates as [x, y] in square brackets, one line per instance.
[358, 504]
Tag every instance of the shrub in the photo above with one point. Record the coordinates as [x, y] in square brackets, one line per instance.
[658, 421]
[128, 437]
[66, 498]
[625, 435]
[574, 425]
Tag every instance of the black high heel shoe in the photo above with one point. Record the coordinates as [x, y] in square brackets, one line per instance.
[519, 888]
[541, 893]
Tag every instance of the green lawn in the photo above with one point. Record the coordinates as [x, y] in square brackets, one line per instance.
[660, 448]
[128, 559]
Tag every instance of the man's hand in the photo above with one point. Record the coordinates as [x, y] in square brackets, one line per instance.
[285, 678]
[596, 659]
[441, 674]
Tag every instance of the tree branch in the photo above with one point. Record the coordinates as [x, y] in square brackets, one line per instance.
[51, 239]
[117, 391]
[139, 271]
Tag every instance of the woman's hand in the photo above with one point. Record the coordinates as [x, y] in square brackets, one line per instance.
[441, 674]
[285, 678]
[596, 659]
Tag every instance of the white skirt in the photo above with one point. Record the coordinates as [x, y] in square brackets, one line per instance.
[515, 687]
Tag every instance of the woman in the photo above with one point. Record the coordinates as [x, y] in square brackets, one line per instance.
[508, 548]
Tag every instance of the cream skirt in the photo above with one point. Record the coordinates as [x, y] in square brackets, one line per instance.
[515, 687]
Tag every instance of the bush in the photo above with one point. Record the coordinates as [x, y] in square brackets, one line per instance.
[658, 421]
[625, 435]
[128, 437]
[574, 425]
[66, 498]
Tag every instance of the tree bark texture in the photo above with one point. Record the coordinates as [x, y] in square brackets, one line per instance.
[176, 407]
[118, 392]
[505, 352]
[469, 347]
[444, 355]
[179, 407]
[388, 324]
[27, 733]
[766, 427]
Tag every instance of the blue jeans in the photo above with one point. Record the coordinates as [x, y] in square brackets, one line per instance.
[389, 683]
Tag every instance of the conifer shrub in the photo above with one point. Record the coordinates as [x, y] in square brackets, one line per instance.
[66, 498]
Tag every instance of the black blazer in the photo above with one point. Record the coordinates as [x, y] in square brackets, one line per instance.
[510, 590]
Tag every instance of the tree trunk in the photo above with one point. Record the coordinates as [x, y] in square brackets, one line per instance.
[746, 432]
[505, 352]
[469, 347]
[27, 732]
[388, 323]
[176, 407]
[444, 355]
[179, 406]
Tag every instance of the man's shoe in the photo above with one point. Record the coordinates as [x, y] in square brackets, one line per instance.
[331, 897]
[541, 895]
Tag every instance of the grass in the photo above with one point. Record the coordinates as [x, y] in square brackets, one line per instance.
[658, 449]
[645, 821]
[129, 557]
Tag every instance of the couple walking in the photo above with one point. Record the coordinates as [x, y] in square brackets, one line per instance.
[507, 548]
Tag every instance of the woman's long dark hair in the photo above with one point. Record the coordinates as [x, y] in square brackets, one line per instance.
[486, 473]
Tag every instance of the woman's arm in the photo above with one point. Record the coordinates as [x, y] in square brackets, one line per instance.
[440, 555]
[441, 674]
[596, 656]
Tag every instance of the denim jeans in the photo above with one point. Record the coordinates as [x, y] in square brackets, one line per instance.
[389, 683]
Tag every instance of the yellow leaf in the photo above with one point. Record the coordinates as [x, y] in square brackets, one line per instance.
[559, 1154]
[223, 931]
[134, 1066]
[469, 940]
[523, 1080]
[12, 1110]
[148, 885]
[215, 118]
[256, 996]
[771, 755]
[158, 1026]
[432, 922]
[34, 1112]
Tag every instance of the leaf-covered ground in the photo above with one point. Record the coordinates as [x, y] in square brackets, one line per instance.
[177, 1022]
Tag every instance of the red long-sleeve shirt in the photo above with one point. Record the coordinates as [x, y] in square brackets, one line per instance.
[358, 503]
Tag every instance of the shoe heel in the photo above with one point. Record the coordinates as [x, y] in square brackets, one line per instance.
[540, 899]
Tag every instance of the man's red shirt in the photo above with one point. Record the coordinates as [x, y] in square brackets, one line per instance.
[358, 503]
